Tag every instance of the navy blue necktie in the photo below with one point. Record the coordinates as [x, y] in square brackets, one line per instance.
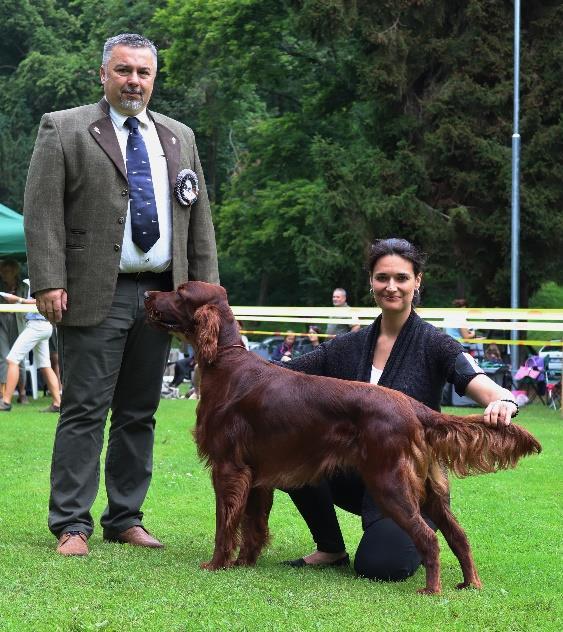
[144, 216]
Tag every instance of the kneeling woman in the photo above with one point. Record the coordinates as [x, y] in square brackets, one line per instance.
[400, 351]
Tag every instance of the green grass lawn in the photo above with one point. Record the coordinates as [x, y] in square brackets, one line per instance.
[513, 520]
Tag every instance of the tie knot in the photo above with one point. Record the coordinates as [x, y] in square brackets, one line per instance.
[132, 123]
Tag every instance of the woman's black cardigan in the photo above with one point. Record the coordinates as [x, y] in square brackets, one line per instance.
[422, 360]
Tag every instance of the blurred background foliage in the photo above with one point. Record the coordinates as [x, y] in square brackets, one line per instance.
[324, 124]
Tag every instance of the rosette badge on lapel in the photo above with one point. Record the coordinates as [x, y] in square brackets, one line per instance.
[186, 189]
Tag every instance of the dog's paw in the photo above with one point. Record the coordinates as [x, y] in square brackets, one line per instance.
[475, 583]
[429, 591]
[244, 562]
[215, 566]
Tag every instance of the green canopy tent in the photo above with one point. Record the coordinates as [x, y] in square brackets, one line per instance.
[12, 240]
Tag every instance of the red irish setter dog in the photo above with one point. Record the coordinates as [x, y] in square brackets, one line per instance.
[261, 426]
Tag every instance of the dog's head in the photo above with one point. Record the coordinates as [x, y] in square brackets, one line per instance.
[193, 311]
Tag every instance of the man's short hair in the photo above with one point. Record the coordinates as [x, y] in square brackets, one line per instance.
[341, 290]
[127, 39]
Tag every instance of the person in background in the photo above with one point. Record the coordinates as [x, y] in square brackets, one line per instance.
[183, 368]
[242, 336]
[108, 217]
[493, 354]
[313, 335]
[399, 351]
[459, 329]
[35, 337]
[11, 324]
[285, 351]
[337, 329]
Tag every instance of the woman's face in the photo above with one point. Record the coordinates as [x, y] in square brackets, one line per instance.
[289, 340]
[393, 282]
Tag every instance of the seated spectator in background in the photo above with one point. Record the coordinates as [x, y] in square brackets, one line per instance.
[183, 369]
[285, 351]
[493, 354]
[11, 323]
[242, 336]
[34, 337]
[337, 329]
[313, 335]
[458, 325]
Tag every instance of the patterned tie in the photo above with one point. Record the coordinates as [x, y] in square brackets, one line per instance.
[144, 216]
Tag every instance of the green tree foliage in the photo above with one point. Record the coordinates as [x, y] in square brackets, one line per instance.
[324, 124]
[340, 121]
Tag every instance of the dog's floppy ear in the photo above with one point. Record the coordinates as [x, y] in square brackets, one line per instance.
[207, 320]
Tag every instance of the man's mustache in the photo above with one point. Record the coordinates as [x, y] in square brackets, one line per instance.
[132, 91]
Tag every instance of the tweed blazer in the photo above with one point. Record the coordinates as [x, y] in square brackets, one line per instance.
[75, 206]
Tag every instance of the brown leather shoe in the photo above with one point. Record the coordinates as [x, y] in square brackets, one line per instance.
[136, 536]
[73, 543]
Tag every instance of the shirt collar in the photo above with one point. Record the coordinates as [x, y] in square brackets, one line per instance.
[119, 119]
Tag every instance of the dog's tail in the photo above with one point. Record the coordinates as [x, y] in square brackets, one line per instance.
[466, 445]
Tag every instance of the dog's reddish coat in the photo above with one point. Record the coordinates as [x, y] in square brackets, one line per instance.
[260, 426]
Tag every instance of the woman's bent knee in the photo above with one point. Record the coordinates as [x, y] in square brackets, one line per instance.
[390, 570]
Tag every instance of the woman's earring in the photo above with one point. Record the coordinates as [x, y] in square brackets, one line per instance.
[371, 290]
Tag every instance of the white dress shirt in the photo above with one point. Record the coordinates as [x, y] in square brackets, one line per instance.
[159, 257]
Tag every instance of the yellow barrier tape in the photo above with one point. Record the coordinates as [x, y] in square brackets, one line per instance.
[487, 325]
[17, 308]
[533, 343]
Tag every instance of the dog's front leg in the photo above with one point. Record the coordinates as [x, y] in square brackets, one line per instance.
[254, 530]
[232, 485]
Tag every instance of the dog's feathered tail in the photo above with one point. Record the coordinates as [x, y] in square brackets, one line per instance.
[466, 446]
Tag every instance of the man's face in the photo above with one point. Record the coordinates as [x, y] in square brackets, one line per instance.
[338, 298]
[128, 79]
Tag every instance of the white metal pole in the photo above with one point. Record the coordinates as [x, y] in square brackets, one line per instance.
[515, 214]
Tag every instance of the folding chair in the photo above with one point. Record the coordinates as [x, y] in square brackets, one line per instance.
[29, 365]
[531, 377]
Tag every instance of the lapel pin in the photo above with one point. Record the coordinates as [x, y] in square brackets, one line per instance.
[97, 130]
[173, 140]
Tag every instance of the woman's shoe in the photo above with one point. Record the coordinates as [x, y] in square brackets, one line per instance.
[301, 563]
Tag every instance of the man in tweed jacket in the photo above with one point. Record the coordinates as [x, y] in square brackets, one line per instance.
[89, 276]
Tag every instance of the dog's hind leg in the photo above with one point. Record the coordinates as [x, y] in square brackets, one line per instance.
[393, 492]
[232, 486]
[437, 509]
[254, 529]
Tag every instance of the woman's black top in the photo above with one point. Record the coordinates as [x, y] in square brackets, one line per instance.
[422, 360]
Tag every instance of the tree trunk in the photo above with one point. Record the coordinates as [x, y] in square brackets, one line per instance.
[263, 290]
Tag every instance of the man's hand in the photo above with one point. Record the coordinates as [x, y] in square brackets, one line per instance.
[52, 304]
